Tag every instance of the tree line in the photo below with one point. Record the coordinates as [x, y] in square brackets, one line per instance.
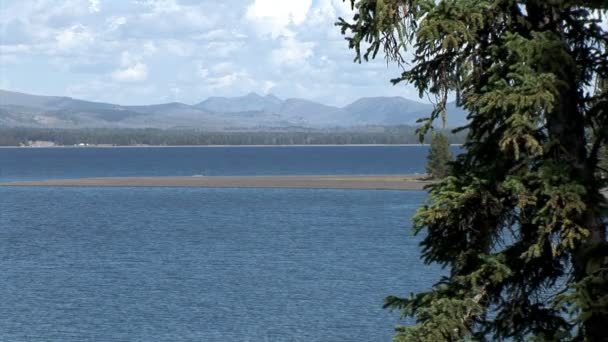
[23, 136]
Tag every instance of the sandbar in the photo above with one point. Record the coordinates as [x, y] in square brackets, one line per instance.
[382, 182]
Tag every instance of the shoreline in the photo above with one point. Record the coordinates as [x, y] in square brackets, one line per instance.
[217, 146]
[213, 146]
[371, 182]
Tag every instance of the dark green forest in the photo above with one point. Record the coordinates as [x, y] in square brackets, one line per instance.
[185, 137]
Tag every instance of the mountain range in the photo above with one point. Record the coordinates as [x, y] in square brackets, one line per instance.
[251, 111]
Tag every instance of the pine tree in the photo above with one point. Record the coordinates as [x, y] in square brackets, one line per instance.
[519, 222]
[439, 156]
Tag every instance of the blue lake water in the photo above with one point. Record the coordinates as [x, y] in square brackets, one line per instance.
[188, 264]
[51, 163]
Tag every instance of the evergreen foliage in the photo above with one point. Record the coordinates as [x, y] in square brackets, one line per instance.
[192, 137]
[519, 223]
[439, 156]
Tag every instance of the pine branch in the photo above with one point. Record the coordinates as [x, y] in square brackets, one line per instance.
[477, 300]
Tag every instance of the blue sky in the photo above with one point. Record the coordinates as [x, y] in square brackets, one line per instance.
[153, 51]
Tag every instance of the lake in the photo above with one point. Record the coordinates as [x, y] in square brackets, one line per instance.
[53, 163]
[193, 264]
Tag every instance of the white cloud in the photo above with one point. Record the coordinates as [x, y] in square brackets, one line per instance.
[202, 47]
[223, 68]
[115, 22]
[94, 6]
[135, 73]
[328, 11]
[274, 16]
[227, 77]
[127, 58]
[267, 86]
[175, 91]
[74, 37]
[221, 35]
[15, 32]
[149, 48]
[169, 19]
[343, 8]
[112, 92]
[292, 52]
[14, 49]
[133, 68]
[179, 48]
[160, 6]
[4, 83]
[203, 72]
[213, 34]
[228, 80]
[223, 49]
[7, 59]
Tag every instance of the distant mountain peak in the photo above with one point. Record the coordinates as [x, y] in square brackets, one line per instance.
[250, 110]
[250, 102]
[254, 95]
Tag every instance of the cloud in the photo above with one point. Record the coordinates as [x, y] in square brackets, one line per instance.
[221, 75]
[135, 73]
[223, 68]
[94, 6]
[223, 49]
[267, 86]
[179, 48]
[160, 6]
[14, 32]
[133, 68]
[73, 37]
[202, 47]
[111, 92]
[329, 10]
[149, 48]
[274, 16]
[292, 52]
[56, 14]
[221, 35]
[226, 78]
[203, 72]
[167, 19]
[115, 22]
[14, 49]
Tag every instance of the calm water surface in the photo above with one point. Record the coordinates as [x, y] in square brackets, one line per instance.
[179, 264]
[52, 163]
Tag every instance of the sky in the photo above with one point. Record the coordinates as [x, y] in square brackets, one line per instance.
[155, 51]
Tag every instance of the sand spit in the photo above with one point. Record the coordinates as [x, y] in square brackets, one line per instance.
[403, 182]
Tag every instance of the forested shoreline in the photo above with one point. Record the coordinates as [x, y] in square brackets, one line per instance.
[192, 137]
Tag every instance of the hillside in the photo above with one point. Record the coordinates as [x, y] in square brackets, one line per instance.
[251, 111]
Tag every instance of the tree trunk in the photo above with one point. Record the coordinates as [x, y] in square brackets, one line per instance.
[566, 126]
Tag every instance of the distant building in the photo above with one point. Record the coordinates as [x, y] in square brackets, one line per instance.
[40, 143]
